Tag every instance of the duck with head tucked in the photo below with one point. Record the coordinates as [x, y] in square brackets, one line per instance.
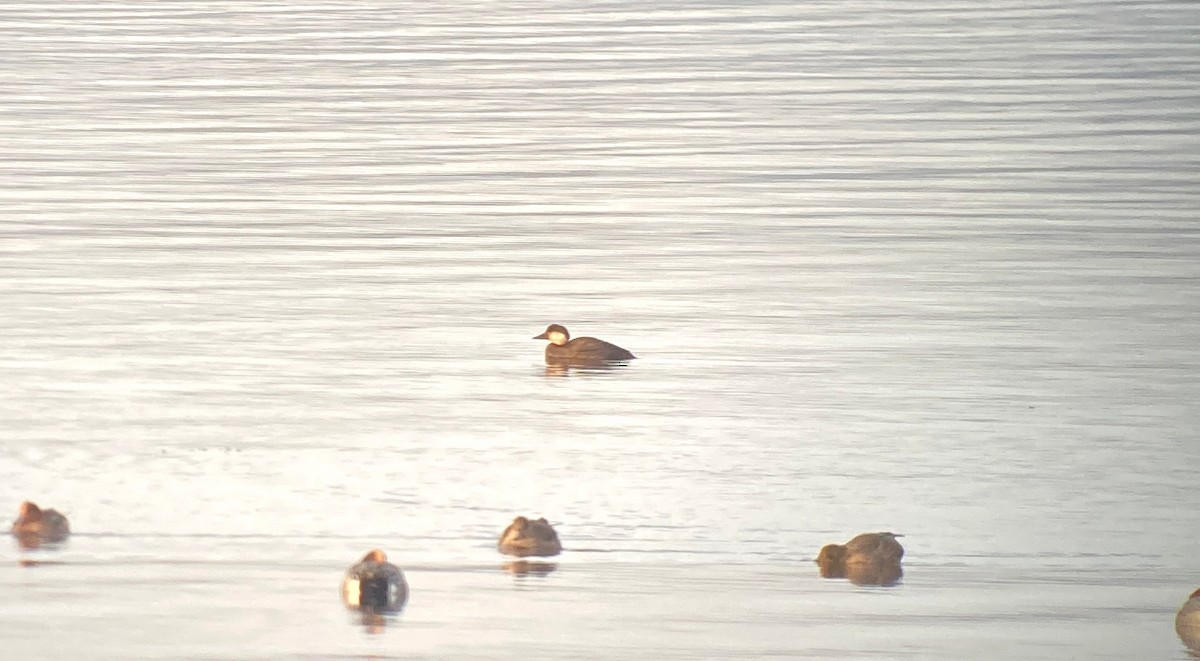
[525, 537]
[869, 559]
[35, 526]
[581, 350]
[1187, 622]
[375, 585]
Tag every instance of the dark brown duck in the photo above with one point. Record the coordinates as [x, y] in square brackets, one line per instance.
[581, 350]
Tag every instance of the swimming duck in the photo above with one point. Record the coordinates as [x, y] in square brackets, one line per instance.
[524, 537]
[869, 559]
[581, 350]
[35, 525]
[1187, 622]
[374, 584]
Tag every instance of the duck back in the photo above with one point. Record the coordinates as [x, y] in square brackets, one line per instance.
[587, 349]
[878, 547]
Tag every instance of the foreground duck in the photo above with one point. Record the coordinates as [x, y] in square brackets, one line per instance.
[868, 559]
[35, 526]
[374, 585]
[581, 350]
[1187, 622]
[525, 537]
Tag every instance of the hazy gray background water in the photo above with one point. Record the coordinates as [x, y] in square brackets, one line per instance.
[268, 272]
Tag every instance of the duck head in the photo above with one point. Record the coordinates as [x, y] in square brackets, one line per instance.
[555, 333]
[831, 561]
[29, 512]
[375, 555]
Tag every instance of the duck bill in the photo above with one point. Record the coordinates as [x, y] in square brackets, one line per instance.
[543, 336]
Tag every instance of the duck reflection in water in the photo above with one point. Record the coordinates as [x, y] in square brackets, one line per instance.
[581, 351]
[868, 559]
[525, 537]
[536, 568]
[374, 587]
[36, 527]
[576, 370]
[1187, 623]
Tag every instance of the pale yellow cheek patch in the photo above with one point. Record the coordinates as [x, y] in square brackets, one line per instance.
[557, 338]
[352, 591]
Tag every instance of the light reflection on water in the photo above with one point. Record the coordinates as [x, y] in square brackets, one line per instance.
[269, 271]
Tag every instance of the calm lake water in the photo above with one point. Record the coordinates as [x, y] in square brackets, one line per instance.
[269, 270]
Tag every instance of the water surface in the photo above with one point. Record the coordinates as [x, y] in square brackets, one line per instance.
[268, 273]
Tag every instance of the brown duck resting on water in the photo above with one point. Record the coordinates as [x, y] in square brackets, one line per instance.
[870, 558]
[525, 537]
[35, 525]
[1187, 622]
[581, 350]
[374, 584]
